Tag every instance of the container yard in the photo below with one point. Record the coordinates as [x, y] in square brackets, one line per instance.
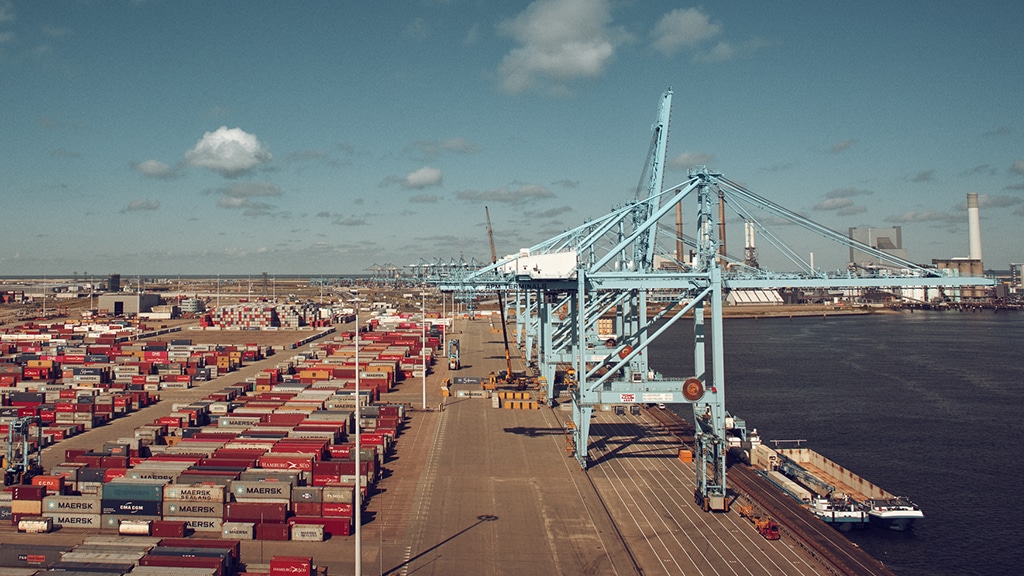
[253, 469]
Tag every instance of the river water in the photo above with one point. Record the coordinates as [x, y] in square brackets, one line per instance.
[927, 405]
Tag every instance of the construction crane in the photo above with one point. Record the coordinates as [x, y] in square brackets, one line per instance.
[19, 468]
[509, 378]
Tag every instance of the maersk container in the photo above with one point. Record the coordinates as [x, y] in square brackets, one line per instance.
[194, 493]
[72, 504]
[256, 490]
[198, 523]
[189, 508]
[308, 532]
[75, 520]
[237, 530]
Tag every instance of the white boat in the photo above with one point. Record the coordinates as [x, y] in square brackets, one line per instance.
[895, 513]
[840, 511]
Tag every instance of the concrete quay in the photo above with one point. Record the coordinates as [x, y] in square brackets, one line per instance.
[476, 490]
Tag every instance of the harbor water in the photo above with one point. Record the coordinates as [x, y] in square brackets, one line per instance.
[927, 405]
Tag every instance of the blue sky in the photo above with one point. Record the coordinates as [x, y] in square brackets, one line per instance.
[176, 137]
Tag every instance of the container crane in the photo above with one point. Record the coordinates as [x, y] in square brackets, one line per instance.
[606, 267]
[19, 468]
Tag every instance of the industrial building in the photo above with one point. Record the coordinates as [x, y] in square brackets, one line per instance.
[118, 303]
[888, 240]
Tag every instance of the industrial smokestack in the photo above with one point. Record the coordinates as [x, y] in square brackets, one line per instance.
[973, 226]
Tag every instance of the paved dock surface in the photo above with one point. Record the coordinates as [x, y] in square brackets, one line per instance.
[476, 490]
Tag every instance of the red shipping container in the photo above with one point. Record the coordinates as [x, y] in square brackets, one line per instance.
[53, 484]
[112, 473]
[168, 529]
[291, 566]
[294, 462]
[307, 508]
[23, 492]
[273, 531]
[335, 509]
[255, 512]
[184, 562]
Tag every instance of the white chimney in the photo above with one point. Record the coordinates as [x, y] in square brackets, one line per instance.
[973, 226]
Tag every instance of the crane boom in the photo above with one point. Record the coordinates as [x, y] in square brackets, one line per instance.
[501, 300]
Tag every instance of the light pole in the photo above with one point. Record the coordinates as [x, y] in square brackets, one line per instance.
[423, 344]
[357, 507]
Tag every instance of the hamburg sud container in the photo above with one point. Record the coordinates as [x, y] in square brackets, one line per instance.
[291, 565]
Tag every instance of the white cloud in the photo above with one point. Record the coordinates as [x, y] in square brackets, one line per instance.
[560, 41]
[689, 160]
[841, 146]
[915, 216]
[848, 193]
[1017, 167]
[230, 152]
[240, 196]
[424, 199]
[525, 193]
[924, 176]
[6, 11]
[154, 169]
[457, 144]
[141, 204]
[993, 201]
[683, 27]
[251, 189]
[833, 204]
[422, 178]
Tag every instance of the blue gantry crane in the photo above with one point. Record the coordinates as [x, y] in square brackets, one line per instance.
[614, 267]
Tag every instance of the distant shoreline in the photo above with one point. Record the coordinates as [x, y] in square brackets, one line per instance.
[802, 310]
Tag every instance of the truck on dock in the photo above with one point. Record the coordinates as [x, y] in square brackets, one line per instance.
[765, 526]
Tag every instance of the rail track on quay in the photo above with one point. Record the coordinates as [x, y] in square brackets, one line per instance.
[822, 542]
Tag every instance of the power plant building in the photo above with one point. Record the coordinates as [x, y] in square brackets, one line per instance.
[888, 240]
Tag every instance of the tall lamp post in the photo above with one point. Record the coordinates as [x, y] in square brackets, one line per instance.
[423, 344]
[357, 508]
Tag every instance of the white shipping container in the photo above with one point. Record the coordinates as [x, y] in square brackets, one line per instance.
[71, 520]
[308, 532]
[237, 530]
[199, 523]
